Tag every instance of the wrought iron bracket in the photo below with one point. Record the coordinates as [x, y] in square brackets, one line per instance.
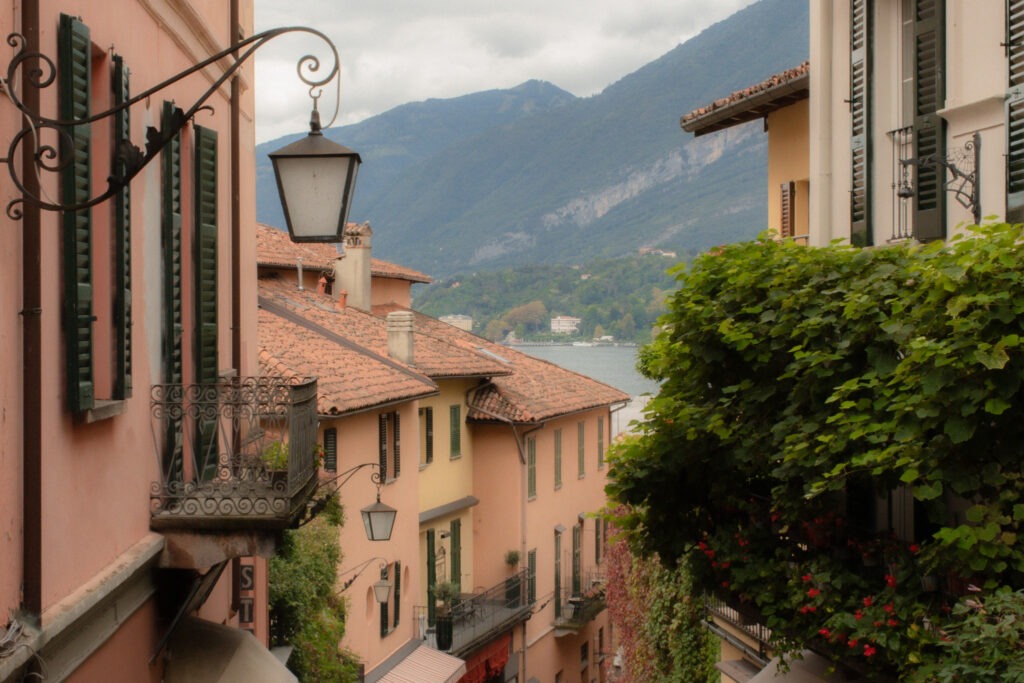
[39, 71]
[963, 182]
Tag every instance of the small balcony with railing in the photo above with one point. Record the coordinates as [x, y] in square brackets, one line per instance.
[579, 602]
[474, 619]
[237, 455]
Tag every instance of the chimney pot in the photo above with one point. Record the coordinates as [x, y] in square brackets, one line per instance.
[400, 325]
[342, 299]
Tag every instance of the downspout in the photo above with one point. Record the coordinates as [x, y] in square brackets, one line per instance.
[520, 440]
[31, 312]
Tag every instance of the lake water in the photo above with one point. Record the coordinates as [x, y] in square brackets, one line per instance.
[614, 365]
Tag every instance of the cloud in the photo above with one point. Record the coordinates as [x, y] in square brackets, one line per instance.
[398, 51]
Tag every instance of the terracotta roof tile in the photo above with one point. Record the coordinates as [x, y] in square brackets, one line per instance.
[750, 103]
[275, 248]
[534, 390]
[387, 269]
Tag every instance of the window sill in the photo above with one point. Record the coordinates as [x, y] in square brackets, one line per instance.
[103, 410]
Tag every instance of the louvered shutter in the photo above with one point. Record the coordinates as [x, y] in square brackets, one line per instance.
[558, 458]
[205, 285]
[331, 449]
[398, 593]
[431, 577]
[929, 128]
[788, 192]
[456, 550]
[398, 444]
[172, 284]
[384, 630]
[531, 579]
[531, 467]
[75, 88]
[860, 112]
[428, 416]
[1015, 112]
[600, 442]
[558, 574]
[580, 454]
[382, 445]
[577, 556]
[455, 421]
[122, 246]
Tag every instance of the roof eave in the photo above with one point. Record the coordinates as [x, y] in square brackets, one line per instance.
[756, 106]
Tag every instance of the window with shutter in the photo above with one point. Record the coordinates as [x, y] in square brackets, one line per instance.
[786, 223]
[1015, 111]
[456, 550]
[600, 442]
[396, 445]
[171, 234]
[531, 467]
[558, 574]
[455, 428]
[577, 559]
[74, 96]
[205, 286]
[860, 113]
[398, 594]
[580, 455]
[428, 434]
[331, 449]
[384, 623]
[929, 222]
[558, 458]
[382, 445]
[531, 579]
[122, 247]
[389, 453]
[431, 576]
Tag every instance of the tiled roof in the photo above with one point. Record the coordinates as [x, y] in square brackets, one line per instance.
[432, 358]
[387, 269]
[535, 389]
[275, 248]
[751, 103]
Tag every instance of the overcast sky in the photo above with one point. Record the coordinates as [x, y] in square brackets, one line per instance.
[398, 51]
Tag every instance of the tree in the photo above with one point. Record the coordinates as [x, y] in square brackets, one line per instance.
[531, 316]
[798, 385]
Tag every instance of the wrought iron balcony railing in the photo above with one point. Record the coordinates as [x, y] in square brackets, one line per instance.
[238, 454]
[580, 602]
[477, 618]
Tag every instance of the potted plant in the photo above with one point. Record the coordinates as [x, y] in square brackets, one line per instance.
[445, 593]
[513, 584]
[275, 459]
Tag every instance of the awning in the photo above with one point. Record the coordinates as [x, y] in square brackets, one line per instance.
[488, 661]
[201, 651]
[813, 668]
[425, 665]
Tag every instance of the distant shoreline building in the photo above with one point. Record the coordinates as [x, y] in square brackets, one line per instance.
[565, 324]
[463, 322]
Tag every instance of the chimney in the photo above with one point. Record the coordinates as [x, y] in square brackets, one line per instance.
[298, 267]
[400, 336]
[342, 297]
[352, 271]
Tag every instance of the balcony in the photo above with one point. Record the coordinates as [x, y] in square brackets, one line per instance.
[579, 603]
[238, 455]
[477, 618]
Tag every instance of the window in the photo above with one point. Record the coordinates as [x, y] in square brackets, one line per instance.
[456, 550]
[600, 442]
[389, 445]
[584, 653]
[860, 114]
[331, 449]
[531, 468]
[558, 574]
[385, 622]
[531, 578]
[577, 559]
[580, 455]
[431, 576]
[93, 335]
[597, 540]
[455, 427]
[1015, 112]
[558, 458]
[398, 594]
[427, 423]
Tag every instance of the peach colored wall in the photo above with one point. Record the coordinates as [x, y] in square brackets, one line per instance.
[788, 160]
[358, 443]
[125, 657]
[96, 478]
[387, 290]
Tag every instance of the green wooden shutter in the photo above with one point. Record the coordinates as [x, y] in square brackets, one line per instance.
[172, 284]
[531, 579]
[577, 557]
[122, 247]
[456, 551]
[580, 454]
[384, 624]
[205, 284]
[558, 458]
[397, 449]
[455, 428]
[331, 449]
[597, 541]
[860, 112]
[398, 593]
[431, 577]
[600, 442]
[558, 574]
[531, 467]
[929, 128]
[74, 58]
[382, 445]
[1015, 112]
[428, 416]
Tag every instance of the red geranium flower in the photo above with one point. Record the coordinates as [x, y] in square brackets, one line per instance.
[869, 651]
[813, 592]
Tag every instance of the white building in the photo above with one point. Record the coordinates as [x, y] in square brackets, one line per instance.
[565, 324]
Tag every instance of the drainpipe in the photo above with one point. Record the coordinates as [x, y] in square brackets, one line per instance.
[31, 312]
[520, 440]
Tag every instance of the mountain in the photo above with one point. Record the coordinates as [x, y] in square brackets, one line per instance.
[536, 175]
